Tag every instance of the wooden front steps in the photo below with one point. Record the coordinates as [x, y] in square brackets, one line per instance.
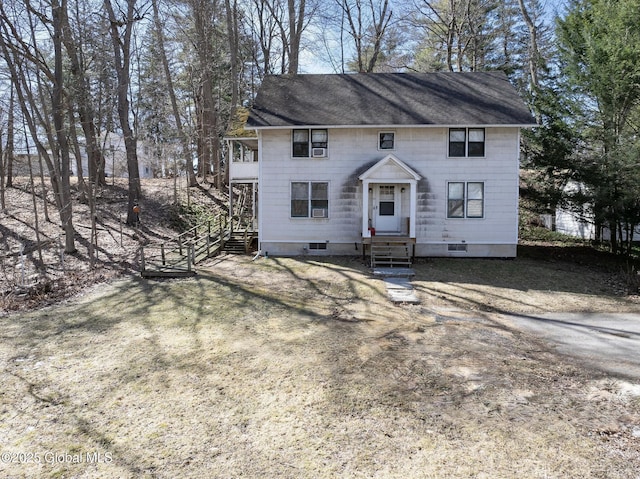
[391, 252]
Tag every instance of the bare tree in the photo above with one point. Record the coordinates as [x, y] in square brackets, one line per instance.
[368, 22]
[66, 213]
[233, 36]
[20, 54]
[3, 205]
[9, 150]
[80, 94]
[534, 51]
[291, 19]
[184, 138]
[206, 17]
[265, 32]
[121, 28]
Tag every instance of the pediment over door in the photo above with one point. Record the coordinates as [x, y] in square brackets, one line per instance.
[390, 169]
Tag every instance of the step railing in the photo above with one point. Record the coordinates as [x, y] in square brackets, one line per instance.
[179, 256]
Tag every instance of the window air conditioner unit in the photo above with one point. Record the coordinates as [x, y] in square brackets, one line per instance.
[319, 213]
[319, 152]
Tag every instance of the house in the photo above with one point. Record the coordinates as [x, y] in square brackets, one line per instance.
[579, 221]
[342, 160]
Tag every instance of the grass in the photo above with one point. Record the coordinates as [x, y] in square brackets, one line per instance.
[301, 368]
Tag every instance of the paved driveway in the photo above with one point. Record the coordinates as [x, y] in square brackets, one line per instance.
[607, 341]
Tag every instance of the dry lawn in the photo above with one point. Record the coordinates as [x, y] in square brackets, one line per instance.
[296, 368]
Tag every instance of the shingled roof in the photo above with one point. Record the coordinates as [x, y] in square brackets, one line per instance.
[387, 99]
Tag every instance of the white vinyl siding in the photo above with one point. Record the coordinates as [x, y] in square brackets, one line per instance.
[423, 149]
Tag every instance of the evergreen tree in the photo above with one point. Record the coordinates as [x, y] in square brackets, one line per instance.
[600, 49]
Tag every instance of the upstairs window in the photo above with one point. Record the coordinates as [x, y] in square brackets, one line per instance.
[386, 140]
[466, 142]
[310, 143]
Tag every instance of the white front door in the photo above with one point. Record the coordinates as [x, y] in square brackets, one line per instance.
[387, 209]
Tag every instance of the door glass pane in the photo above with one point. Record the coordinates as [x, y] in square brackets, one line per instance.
[387, 208]
[387, 193]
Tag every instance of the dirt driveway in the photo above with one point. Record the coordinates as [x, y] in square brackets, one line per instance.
[297, 368]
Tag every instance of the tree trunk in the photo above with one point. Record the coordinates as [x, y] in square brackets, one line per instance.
[296, 26]
[380, 26]
[122, 55]
[82, 98]
[66, 212]
[3, 206]
[208, 133]
[234, 46]
[9, 151]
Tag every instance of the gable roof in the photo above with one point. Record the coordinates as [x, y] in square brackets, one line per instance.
[390, 162]
[386, 99]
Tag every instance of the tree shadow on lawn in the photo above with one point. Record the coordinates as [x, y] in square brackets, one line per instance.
[522, 274]
[154, 352]
[120, 340]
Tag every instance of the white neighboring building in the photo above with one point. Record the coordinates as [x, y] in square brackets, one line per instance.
[579, 224]
[115, 156]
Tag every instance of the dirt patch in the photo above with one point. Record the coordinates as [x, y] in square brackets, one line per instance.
[34, 271]
[302, 368]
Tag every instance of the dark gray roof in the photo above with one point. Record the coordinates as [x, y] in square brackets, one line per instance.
[386, 99]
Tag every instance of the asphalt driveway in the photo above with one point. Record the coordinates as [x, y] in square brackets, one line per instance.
[606, 341]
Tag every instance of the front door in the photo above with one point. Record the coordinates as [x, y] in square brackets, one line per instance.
[387, 209]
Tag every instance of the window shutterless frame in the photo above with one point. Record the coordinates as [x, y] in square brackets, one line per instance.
[466, 142]
[386, 140]
[465, 199]
[308, 143]
[309, 199]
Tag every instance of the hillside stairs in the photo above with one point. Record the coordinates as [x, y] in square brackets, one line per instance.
[236, 243]
[179, 256]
